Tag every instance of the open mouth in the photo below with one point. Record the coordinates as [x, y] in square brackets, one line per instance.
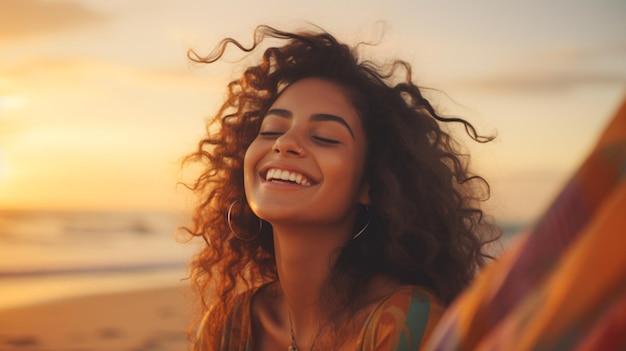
[284, 176]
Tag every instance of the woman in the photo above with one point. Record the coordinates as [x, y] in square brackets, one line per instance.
[337, 214]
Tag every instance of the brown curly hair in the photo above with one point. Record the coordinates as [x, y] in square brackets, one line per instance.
[426, 227]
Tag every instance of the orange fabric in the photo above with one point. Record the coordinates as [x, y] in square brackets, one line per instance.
[562, 286]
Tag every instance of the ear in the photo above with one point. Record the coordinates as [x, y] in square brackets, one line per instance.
[364, 194]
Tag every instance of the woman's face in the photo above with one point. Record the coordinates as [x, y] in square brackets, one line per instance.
[306, 165]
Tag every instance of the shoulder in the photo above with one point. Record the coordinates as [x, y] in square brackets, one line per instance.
[236, 327]
[403, 320]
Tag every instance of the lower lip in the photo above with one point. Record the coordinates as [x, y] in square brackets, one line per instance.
[284, 185]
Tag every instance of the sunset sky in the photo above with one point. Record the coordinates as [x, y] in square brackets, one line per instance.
[98, 101]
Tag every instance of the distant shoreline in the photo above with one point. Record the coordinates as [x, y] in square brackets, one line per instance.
[25, 291]
[52, 271]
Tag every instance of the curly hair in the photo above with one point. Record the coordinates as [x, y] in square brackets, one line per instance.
[426, 226]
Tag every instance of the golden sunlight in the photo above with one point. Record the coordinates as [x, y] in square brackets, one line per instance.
[6, 175]
[8, 102]
[2, 170]
[8, 99]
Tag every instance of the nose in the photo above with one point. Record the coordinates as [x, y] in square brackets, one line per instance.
[287, 144]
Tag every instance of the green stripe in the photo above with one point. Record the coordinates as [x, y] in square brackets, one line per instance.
[416, 322]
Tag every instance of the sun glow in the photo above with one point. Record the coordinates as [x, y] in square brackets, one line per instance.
[4, 178]
[10, 102]
[2, 171]
[9, 99]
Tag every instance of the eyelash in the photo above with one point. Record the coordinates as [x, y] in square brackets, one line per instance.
[325, 140]
[317, 138]
[267, 134]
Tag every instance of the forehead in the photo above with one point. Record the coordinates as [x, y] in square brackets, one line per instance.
[319, 96]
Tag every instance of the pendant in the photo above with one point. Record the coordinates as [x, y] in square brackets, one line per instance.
[292, 347]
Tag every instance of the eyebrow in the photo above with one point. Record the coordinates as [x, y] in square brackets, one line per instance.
[318, 117]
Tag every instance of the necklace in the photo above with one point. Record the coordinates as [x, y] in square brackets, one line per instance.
[294, 345]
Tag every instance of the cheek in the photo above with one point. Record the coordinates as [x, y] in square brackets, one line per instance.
[251, 157]
[344, 170]
[247, 160]
[250, 160]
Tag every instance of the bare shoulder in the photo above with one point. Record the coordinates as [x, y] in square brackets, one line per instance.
[267, 321]
[265, 301]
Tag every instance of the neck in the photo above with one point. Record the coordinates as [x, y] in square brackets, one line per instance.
[304, 257]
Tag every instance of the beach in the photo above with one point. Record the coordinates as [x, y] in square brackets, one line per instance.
[92, 281]
[89, 281]
[151, 319]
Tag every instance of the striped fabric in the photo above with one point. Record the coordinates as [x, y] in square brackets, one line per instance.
[562, 286]
[402, 322]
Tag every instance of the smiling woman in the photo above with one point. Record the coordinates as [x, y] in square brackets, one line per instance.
[308, 134]
[338, 214]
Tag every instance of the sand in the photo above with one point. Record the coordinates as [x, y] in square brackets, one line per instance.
[130, 321]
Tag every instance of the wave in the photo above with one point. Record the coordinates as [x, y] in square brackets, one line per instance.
[58, 271]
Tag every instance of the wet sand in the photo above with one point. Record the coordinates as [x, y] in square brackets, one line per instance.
[129, 321]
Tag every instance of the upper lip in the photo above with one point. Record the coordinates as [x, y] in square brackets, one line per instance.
[286, 167]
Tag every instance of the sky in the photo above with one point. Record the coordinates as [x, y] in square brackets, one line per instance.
[98, 101]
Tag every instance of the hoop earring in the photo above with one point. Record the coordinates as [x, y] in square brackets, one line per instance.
[230, 209]
[364, 227]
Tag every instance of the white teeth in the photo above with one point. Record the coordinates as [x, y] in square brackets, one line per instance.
[280, 174]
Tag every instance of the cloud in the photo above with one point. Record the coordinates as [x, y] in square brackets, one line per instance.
[547, 81]
[571, 55]
[81, 70]
[557, 69]
[20, 18]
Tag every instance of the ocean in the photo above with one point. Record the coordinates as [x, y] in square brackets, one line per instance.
[48, 255]
[51, 255]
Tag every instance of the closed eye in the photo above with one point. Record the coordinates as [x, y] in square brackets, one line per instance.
[326, 140]
[270, 134]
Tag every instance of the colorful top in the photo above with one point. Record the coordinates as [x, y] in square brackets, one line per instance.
[562, 286]
[401, 322]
